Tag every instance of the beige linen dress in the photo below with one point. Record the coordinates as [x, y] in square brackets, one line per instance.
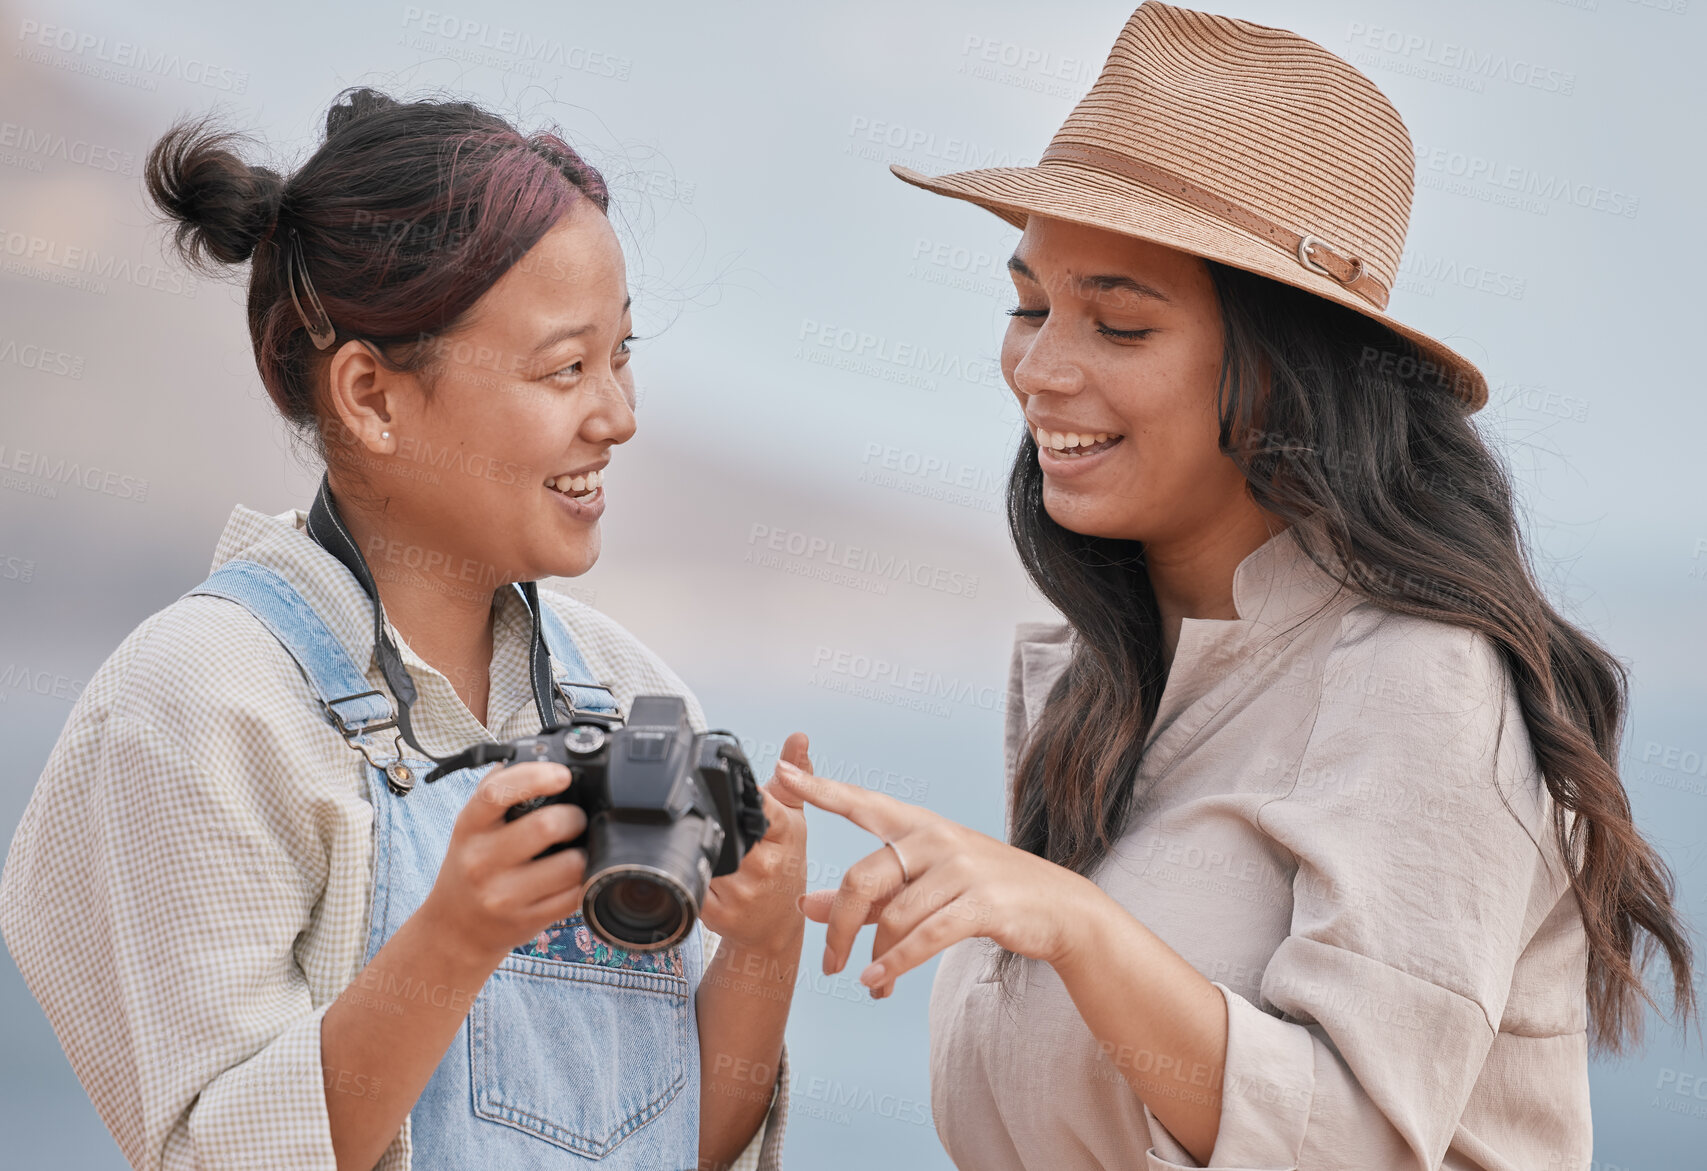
[1344, 828]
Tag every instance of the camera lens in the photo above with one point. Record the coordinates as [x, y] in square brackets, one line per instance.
[641, 905]
[638, 910]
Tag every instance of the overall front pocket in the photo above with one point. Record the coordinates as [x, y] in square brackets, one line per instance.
[579, 1054]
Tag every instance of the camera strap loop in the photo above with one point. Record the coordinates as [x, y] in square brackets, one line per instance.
[327, 528]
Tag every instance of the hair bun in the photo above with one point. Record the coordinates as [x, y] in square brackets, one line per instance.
[222, 205]
[355, 104]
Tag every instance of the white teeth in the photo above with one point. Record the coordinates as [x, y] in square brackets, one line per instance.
[577, 485]
[1068, 440]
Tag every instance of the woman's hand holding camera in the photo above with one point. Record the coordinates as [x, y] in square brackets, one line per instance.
[749, 982]
[756, 907]
[493, 891]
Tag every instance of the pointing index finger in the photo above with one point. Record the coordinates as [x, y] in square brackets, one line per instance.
[875, 812]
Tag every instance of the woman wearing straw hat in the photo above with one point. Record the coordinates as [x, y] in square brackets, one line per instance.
[1318, 854]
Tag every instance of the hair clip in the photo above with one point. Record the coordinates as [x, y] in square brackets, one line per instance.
[319, 327]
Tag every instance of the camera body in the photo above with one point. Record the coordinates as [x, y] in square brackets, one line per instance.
[667, 810]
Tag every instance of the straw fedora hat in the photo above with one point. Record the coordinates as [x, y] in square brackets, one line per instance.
[1240, 143]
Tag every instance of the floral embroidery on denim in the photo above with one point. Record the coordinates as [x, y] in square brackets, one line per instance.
[571, 941]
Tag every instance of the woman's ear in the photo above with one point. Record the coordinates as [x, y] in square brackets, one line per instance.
[363, 398]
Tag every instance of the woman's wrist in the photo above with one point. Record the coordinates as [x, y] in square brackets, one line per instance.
[457, 947]
[1090, 919]
[776, 954]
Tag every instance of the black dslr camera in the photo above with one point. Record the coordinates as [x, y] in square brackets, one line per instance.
[667, 811]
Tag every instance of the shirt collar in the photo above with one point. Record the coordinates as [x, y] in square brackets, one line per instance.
[1277, 583]
[282, 543]
[1275, 586]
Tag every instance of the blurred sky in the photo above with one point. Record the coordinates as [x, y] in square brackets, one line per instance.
[749, 146]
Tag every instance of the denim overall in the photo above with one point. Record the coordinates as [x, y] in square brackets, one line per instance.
[574, 1054]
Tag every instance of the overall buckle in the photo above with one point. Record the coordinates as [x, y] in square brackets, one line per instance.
[398, 776]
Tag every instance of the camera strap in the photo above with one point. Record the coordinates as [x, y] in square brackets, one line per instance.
[327, 529]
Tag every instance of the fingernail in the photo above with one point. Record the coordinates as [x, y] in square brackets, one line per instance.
[787, 769]
[800, 903]
[829, 959]
[872, 976]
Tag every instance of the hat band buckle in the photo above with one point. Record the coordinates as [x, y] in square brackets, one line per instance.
[1355, 277]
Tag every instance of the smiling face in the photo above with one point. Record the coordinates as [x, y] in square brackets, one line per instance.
[1114, 352]
[495, 463]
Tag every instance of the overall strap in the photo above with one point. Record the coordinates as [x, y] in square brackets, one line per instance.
[349, 704]
[327, 529]
[586, 696]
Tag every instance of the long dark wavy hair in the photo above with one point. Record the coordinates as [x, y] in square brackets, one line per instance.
[1355, 433]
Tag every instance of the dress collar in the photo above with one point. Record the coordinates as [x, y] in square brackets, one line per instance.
[1277, 583]
[1276, 586]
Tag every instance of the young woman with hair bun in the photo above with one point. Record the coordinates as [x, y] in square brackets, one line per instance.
[310, 957]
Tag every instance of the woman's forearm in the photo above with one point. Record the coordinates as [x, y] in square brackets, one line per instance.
[742, 1005]
[386, 1033]
[1156, 1020]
